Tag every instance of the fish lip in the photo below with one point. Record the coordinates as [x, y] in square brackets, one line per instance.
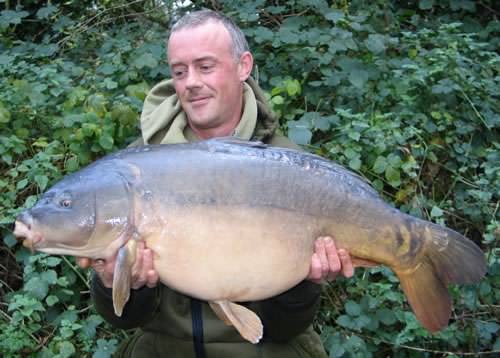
[30, 238]
[21, 230]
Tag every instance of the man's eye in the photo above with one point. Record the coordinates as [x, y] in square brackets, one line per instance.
[179, 74]
[206, 68]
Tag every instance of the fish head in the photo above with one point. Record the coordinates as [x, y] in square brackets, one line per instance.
[81, 215]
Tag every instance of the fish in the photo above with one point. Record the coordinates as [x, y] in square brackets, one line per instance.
[230, 221]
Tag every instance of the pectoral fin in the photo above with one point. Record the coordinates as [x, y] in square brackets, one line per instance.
[244, 320]
[122, 276]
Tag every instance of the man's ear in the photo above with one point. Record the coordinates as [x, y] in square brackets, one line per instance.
[245, 65]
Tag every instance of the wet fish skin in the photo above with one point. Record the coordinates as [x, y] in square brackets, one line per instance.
[231, 212]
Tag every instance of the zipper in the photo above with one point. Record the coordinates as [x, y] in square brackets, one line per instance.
[197, 324]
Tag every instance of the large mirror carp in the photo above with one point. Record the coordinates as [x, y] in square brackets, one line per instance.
[232, 221]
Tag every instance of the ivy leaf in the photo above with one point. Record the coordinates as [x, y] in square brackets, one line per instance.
[46, 50]
[21, 184]
[263, 34]
[365, 321]
[145, 60]
[66, 349]
[436, 212]
[42, 181]
[45, 12]
[457, 5]
[288, 37]
[124, 114]
[4, 114]
[355, 163]
[351, 153]
[37, 287]
[379, 165]
[393, 176]
[354, 135]
[10, 240]
[71, 164]
[49, 276]
[386, 316]
[292, 87]
[106, 141]
[110, 84]
[394, 160]
[139, 90]
[322, 123]
[496, 346]
[278, 100]
[426, 4]
[357, 347]
[300, 135]
[52, 261]
[335, 16]
[358, 78]
[105, 348]
[375, 43]
[69, 315]
[345, 321]
[352, 308]
[90, 325]
[51, 300]
[107, 69]
[445, 86]
[10, 17]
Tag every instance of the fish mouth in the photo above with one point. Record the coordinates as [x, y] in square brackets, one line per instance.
[30, 238]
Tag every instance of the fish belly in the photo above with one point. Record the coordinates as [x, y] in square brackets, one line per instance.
[236, 253]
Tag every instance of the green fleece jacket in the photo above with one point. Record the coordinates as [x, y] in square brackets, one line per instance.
[174, 325]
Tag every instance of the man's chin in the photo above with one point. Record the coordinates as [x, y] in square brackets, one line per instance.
[202, 123]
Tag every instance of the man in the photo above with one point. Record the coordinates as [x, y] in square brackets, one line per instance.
[211, 95]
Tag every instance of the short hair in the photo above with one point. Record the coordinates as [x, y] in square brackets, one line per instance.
[201, 17]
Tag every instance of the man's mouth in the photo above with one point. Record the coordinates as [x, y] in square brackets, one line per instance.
[198, 100]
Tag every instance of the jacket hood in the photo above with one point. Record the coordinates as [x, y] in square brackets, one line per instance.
[164, 121]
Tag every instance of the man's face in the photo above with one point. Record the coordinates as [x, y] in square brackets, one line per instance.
[206, 76]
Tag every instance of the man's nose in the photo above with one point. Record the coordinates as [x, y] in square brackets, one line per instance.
[193, 79]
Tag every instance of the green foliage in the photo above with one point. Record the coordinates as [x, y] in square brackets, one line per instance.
[46, 307]
[404, 93]
[66, 100]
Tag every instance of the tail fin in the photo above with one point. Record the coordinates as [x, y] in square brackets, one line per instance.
[448, 258]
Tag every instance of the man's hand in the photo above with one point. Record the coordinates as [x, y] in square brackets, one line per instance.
[143, 272]
[327, 261]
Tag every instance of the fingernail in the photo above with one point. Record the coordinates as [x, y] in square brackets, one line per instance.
[328, 241]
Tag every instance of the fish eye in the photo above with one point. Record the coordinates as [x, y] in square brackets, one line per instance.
[65, 203]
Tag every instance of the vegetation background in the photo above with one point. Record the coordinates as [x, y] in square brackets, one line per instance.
[406, 93]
